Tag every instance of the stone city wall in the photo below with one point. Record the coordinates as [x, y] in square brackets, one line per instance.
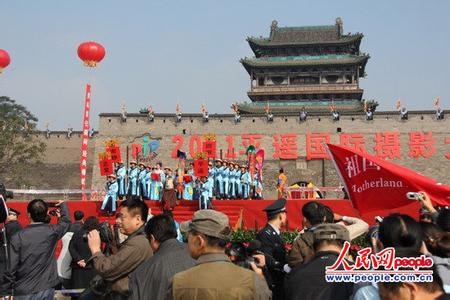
[60, 168]
[285, 137]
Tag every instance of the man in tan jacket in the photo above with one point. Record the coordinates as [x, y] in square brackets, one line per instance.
[215, 276]
[315, 213]
[115, 270]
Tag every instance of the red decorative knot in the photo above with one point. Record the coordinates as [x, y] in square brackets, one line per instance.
[5, 60]
[91, 53]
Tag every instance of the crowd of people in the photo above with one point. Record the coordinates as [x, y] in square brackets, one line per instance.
[141, 257]
[225, 180]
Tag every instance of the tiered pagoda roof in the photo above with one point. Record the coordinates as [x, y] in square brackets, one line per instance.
[308, 66]
[313, 60]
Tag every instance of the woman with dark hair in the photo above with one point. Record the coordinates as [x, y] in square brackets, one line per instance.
[437, 243]
[82, 273]
[401, 231]
[436, 240]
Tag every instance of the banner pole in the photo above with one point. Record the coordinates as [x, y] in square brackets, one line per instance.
[84, 141]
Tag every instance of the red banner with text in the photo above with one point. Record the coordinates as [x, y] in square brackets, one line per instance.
[375, 184]
[84, 141]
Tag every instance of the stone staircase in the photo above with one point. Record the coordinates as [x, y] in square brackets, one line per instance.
[186, 209]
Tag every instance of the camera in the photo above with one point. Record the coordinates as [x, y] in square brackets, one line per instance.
[242, 255]
[104, 231]
[5, 193]
[413, 196]
[53, 213]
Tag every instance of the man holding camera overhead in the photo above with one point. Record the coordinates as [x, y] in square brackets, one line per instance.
[33, 272]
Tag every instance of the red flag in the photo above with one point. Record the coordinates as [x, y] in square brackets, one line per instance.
[375, 184]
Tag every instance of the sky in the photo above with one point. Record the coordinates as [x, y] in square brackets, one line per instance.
[161, 53]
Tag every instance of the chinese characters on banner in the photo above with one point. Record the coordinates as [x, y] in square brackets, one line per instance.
[84, 141]
[114, 153]
[106, 167]
[201, 167]
[209, 147]
[288, 146]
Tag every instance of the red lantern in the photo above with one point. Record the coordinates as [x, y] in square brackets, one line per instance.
[4, 59]
[91, 53]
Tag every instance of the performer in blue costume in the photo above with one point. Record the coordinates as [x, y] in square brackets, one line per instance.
[156, 186]
[211, 175]
[218, 180]
[205, 191]
[258, 187]
[147, 181]
[245, 182]
[133, 179]
[109, 202]
[195, 184]
[142, 188]
[232, 188]
[237, 182]
[188, 187]
[121, 174]
[225, 181]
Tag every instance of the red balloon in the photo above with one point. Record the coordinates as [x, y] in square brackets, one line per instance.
[91, 53]
[4, 59]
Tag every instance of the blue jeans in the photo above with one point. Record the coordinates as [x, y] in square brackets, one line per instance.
[48, 294]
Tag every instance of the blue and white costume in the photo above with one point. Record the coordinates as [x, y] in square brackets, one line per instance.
[111, 196]
[245, 184]
[232, 189]
[205, 191]
[142, 188]
[219, 182]
[133, 181]
[121, 174]
[226, 183]
[237, 183]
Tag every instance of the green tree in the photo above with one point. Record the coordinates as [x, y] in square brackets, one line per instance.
[19, 148]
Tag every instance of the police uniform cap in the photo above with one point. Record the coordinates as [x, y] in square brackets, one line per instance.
[133, 162]
[12, 211]
[276, 207]
[331, 231]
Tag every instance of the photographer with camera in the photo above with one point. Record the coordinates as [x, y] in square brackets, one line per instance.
[33, 272]
[251, 257]
[115, 270]
[82, 273]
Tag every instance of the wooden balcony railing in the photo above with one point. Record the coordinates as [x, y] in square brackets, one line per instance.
[305, 88]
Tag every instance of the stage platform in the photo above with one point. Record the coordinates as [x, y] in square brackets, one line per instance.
[246, 214]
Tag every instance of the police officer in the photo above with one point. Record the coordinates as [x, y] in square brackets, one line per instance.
[12, 226]
[273, 245]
